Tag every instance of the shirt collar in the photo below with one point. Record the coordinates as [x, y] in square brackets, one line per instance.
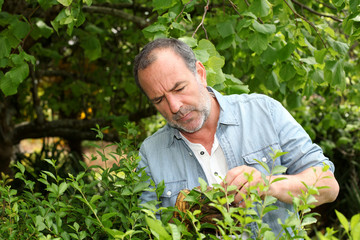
[227, 116]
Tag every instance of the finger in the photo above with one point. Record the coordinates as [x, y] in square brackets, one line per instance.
[232, 175]
[240, 195]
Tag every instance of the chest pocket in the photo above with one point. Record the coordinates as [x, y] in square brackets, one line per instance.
[263, 155]
[171, 191]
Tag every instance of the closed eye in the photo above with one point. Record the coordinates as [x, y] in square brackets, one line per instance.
[157, 100]
[180, 89]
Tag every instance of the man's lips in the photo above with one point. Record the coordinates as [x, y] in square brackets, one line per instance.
[183, 117]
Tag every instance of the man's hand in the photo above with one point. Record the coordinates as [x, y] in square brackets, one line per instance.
[239, 177]
[280, 189]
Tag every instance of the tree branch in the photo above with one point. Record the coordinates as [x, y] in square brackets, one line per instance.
[72, 129]
[35, 96]
[202, 20]
[315, 12]
[306, 20]
[117, 13]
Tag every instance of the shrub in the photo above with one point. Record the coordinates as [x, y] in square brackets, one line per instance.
[103, 203]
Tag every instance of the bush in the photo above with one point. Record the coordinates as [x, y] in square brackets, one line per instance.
[103, 203]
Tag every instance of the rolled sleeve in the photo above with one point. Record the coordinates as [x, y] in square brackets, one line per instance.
[302, 153]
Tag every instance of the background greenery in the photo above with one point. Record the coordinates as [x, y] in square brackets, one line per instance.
[66, 65]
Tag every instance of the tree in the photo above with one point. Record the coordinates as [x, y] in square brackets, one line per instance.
[61, 74]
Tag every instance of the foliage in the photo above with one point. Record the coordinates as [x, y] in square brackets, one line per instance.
[96, 203]
[103, 203]
[72, 59]
[351, 229]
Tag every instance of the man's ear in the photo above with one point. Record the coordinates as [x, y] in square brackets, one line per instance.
[201, 72]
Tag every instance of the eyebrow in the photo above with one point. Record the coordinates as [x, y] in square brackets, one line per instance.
[177, 84]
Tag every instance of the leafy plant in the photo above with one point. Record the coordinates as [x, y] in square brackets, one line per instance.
[96, 203]
[198, 218]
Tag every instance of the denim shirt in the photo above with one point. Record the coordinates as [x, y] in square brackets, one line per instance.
[248, 127]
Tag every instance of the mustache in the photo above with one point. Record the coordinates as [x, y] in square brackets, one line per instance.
[182, 112]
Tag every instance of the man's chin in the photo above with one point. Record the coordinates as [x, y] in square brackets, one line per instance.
[186, 129]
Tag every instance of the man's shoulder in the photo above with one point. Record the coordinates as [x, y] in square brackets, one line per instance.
[161, 135]
[244, 99]
[247, 97]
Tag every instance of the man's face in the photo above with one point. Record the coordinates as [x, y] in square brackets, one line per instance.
[179, 95]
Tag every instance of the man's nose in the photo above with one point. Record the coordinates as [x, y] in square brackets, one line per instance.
[174, 103]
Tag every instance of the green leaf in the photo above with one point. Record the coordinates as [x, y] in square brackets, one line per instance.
[20, 167]
[287, 72]
[214, 76]
[39, 223]
[306, 25]
[279, 169]
[65, 3]
[260, 8]
[308, 220]
[344, 222]
[92, 47]
[156, 227]
[94, 198]
[336, 69]
[11, 80]
[107, 216]
[160, 189]
[62, 188]
[50, 174]
[20, 29]
[1, 3]
[45, 4]
[206, 45]
[264, 165]
[203, 184]
[293, 100]
[215, 62]
[355, 232]
[5, 47]
[236, 89]
[320, 55]
[268, 200]
[340, 47]
[163, 4]
[191, 42]
[354, 221]
[225, 29]
[41, 30]
[175, 231]
[202, 55]
[269, 209]
[49, 161]
[292, 220]
[88, 2]
[264, 28]
[309, 60]
[257, 42]
[278, 179]
[272, 82]
[141, 186]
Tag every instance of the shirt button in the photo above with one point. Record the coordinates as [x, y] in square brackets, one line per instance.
[190, 153]
[264, 159]
[168, 193]
[202, 153]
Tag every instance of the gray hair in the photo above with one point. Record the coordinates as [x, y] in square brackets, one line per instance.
[145, 57]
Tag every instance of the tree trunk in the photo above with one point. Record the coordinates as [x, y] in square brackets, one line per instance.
[6, 130]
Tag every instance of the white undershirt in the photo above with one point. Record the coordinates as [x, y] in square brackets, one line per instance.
[214, 164]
